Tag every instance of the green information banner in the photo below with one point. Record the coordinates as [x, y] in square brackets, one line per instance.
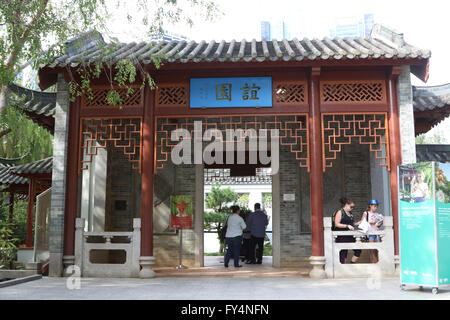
[442, 174]
[424, 222]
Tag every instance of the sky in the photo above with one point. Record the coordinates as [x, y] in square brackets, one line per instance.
[424, 24]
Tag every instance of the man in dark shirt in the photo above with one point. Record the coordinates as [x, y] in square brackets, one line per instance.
[257, 223]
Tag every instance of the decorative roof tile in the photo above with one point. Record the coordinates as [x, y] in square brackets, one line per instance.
[377, 46]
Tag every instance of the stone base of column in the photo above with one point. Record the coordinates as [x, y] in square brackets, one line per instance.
[67, 262]
[397, 265]
[146, 267]
[318, 271]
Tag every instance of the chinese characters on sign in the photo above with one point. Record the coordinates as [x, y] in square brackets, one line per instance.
[253, 90]
[223, 91]
[231, 92]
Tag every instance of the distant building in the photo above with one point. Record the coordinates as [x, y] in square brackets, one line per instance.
[355, 26]
[265, 30]
[168, 36]
[275, 30]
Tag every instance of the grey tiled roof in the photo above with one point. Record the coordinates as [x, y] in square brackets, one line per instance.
[7, 178]
[40, 166]
[383, 43]
[37, 102]
[431, 97]
[433, 152]
[11, 175]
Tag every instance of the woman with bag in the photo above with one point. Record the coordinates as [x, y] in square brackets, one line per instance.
[343, 220]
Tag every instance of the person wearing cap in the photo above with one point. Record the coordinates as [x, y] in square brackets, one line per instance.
[375, 220]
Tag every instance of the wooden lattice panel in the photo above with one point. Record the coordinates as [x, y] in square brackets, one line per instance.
[342, 129]
[291, 93]
[124, 134]
[171, 95]
[98, 97]
[293, 132]
[347, 92]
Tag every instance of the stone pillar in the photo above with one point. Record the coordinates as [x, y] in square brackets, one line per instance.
[59, 174]
[406, 116]
[199, 214]
[276, 234]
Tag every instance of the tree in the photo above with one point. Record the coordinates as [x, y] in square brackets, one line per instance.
[435, 137]
[34, 32]
[218, 201]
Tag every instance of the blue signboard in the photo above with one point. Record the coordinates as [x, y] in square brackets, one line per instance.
[231, 92]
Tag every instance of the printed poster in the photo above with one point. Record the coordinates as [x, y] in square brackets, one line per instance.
[181, 213]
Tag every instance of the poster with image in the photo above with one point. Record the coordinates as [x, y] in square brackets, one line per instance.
[417, 224]
[442, 183]
[181, 213]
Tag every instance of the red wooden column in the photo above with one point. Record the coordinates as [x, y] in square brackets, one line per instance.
[148, 153]
[315, 177]
[71, 206]
[394, 148]
[31, 195]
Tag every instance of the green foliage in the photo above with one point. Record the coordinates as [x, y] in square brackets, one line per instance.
[25, 137]
[219, 198]
[436, 137]
[34, 32]
[219, 201]
[243, 199]
[7, 244]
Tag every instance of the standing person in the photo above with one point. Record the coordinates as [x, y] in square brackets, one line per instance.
[246, 242]
[343, 220]
[375, 220]
[420, 188]
[233, 237]
[257, 223]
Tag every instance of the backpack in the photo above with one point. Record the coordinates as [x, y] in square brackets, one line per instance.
[333, 216]
[223, 231]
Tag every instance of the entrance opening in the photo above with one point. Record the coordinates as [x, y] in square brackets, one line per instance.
[244, 186]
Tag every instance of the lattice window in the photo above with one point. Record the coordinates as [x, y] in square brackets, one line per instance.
[98, 98]
[172, 95]
[293, 132]
[291, 93]
[353, 92]
[124, 134]
[342, 129]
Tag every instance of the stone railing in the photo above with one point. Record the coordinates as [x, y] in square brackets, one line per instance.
[385, 265]
[108, 254]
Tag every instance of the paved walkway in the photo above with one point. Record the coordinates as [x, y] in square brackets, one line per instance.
[214, 282]
[212, 288]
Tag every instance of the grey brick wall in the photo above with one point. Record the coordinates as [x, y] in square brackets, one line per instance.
[294, 218]
[405, 105]
[167, 246]
[59, 178]
[123, 184]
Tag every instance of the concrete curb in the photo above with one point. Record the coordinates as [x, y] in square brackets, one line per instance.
[20, 280]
